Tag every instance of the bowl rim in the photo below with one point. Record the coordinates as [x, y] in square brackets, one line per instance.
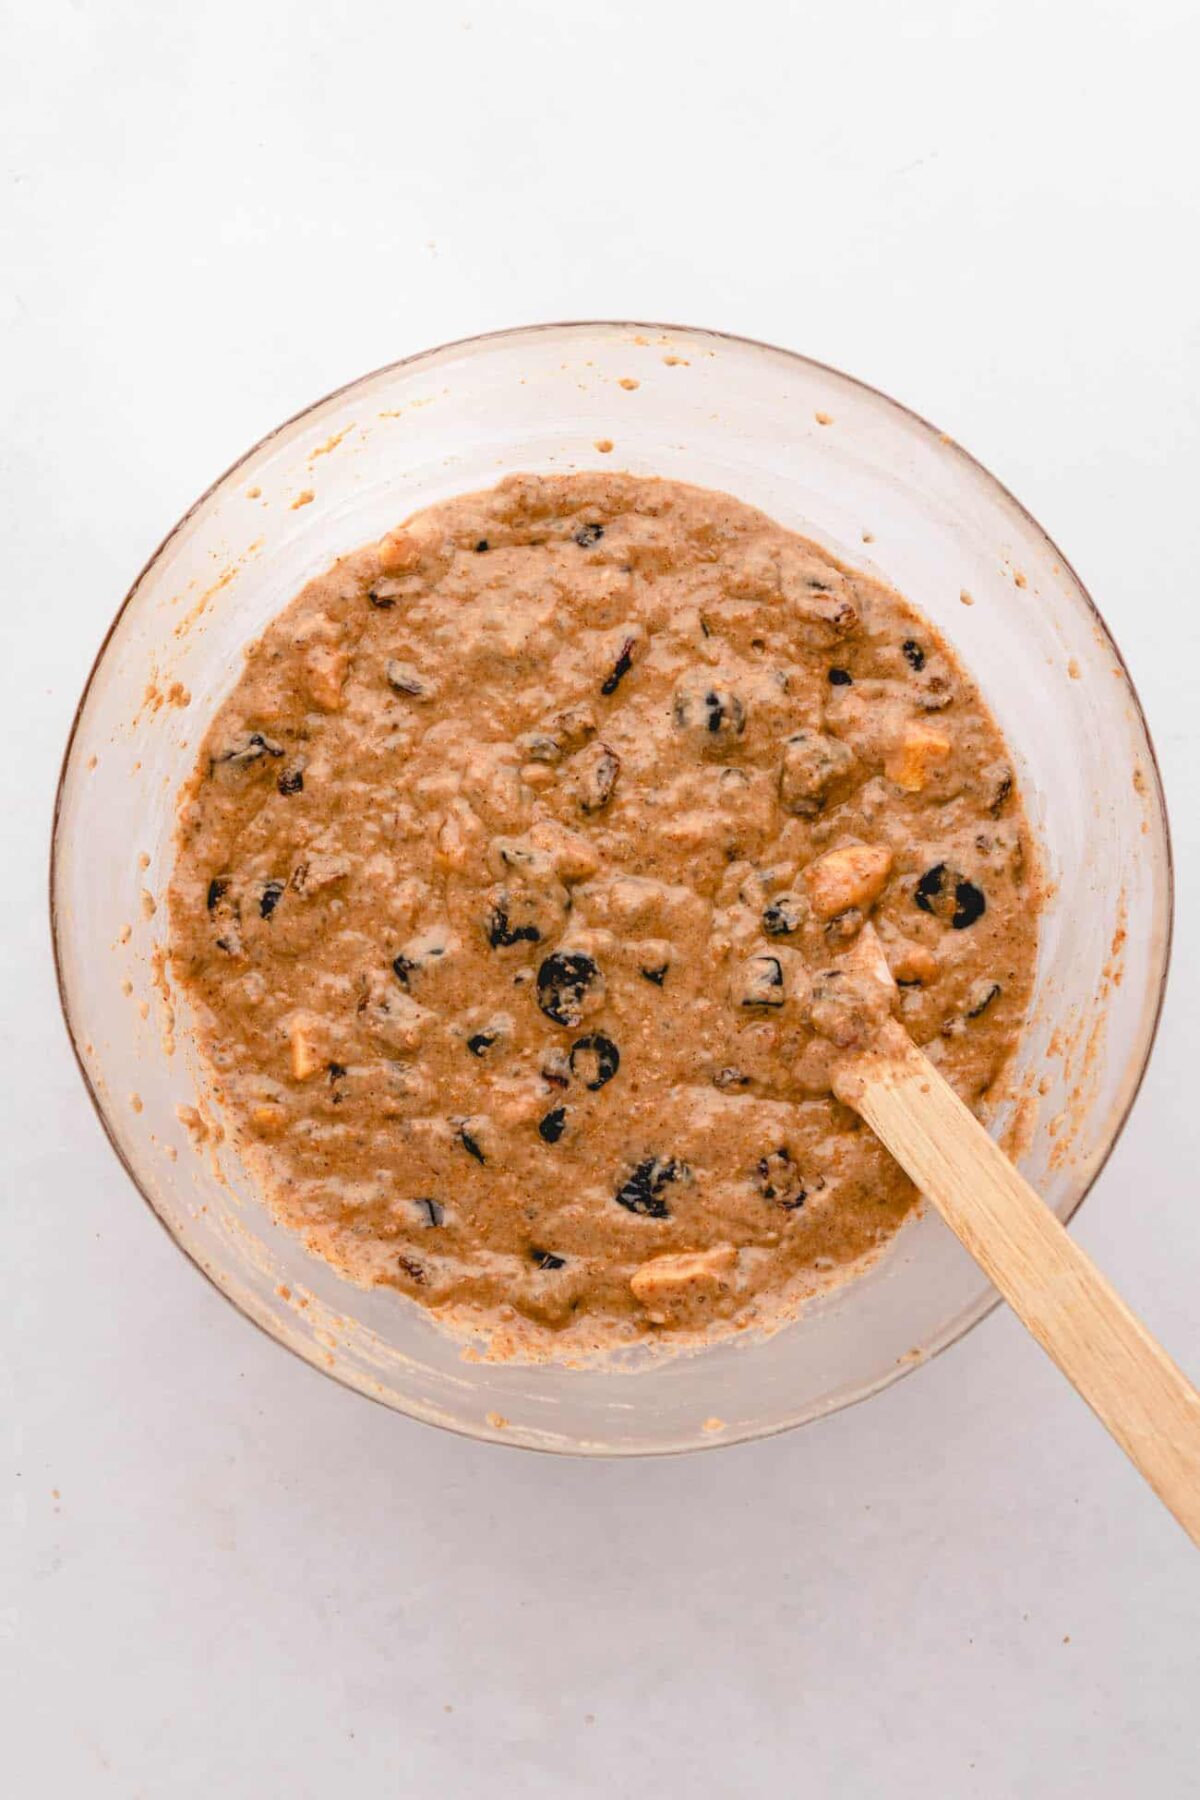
[958, 1328]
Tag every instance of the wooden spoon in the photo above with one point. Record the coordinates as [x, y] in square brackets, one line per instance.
[1127, 1379]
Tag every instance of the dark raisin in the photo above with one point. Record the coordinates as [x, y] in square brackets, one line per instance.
[434, 1211]
[291, 780]
[481, 546]
[539, 747]
[501, 932]
[587, 535]
[970, 903]
[949, 896]
[779, 1180]
[272, 894]
[709, 712]
[402, 968]
[657, 975]
[784, 915]
[642, 1192]
[598, 769]
[403, 678]
[760, 982]
[412, 1269]
[594, 1060]
[546, 1259]
[336, 1071]
[620, 669]
[556, 1067]
[980, 997]
[482, 1040]
[255, 746]
[840, 678]
[383, 601]
[716, 708]
[562, 981]
[469, 1144]
[551, 1128]
[218, 887]
[914, 656]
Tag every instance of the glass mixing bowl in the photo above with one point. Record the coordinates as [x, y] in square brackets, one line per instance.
[818, 452]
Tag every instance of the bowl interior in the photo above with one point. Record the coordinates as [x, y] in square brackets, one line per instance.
[821, 454]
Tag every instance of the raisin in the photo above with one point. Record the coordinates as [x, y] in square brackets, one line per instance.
[784, 915]
[255, 746]
[1001, 789]
[435, 1212]
[468, 1143]
[598, 769]
[546, 1259]
[336, 1071]
[722, 712]
[556, 1067]
[403, 678]
[402, 968]
[914, 656]
[779, 1180]
[291, 780]
[272, 894]
[594, 1060]
[642, 1191]
[840, 678]
[949, 896]
[482, 1040]
[562, 981]
[657, 975]
[481, 546]
[218, 887]
[501, 932]
[412, 1269]
[760, 982]
[551, 1128]
[587, 535]
[711, 716]
[539, 747]
[620, 669]
[383, 601]
[980, 997]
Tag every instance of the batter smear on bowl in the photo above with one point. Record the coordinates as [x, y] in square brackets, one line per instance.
[511, 871]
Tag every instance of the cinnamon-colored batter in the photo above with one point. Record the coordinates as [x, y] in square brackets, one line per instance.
[507, 878]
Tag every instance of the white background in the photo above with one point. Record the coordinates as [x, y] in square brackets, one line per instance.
[222, 1575]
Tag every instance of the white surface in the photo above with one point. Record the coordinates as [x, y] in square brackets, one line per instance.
[250, 1583]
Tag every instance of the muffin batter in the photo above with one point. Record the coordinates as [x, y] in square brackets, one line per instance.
[514, 866]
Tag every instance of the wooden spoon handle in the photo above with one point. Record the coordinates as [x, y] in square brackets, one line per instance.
[1128, 1380]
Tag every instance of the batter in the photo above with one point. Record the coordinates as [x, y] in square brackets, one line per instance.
[507, 879]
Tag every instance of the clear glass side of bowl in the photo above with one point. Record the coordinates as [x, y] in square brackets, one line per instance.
[878, 486]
